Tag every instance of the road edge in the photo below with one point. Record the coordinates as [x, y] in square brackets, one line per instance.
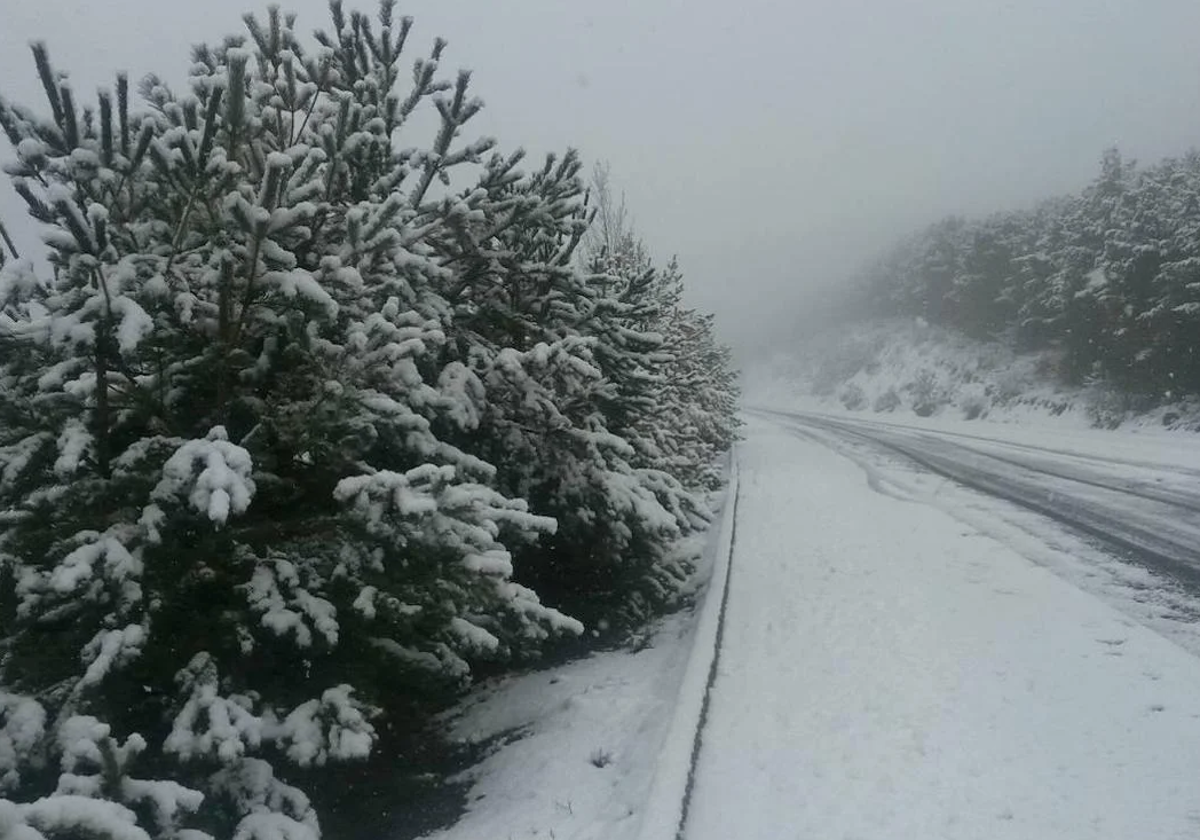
[670, 793]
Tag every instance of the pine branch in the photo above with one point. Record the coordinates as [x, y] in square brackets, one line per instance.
[211, 120]
[235, 114]
[69, 124]
[106, 128]
[123, 111]
[7, 240]
[454, 115]
[8, 123]
[41, 58]
[38, 209]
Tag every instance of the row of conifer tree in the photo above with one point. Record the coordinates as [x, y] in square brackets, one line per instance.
[306, 418]
[1109, 276]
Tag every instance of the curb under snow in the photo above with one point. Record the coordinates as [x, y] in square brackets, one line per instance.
[665, 810]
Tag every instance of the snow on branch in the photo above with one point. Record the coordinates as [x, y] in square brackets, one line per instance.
[69, 816]
[213, 474]
[286, 607]
[273, 809]
[332, 728]
[24, 725]
[210, 725]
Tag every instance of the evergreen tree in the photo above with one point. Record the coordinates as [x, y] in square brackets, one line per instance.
[300, 415]
[1109, 276]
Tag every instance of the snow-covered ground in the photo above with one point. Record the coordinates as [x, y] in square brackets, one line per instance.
[1130, 448]
[581, 743]
[902, 658]
[892, 673]
[585, 744]
[1155, 465]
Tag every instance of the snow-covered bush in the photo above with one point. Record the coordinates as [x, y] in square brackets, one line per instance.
[887, 401]
[926, 393]
[306, 405]
[845, 357]
[1012, 384]
[973, 401]
[852, 397]
[1106, 406]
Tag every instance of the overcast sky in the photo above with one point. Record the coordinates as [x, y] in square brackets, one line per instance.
[772, 145]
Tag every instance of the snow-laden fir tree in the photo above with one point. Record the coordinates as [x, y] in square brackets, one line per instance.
[680, 405]
[298, 404]
[544, 342]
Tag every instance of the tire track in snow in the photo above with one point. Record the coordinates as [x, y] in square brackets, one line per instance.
[1079, 475]
[1134, 541]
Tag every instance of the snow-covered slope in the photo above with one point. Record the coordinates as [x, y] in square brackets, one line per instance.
[910, 367]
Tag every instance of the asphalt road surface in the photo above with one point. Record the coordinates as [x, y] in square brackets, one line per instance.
[1148, 513]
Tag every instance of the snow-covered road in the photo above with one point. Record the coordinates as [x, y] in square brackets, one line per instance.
[891, 670]
[1149, 512]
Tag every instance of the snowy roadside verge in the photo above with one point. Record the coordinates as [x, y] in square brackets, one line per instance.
[584, 744]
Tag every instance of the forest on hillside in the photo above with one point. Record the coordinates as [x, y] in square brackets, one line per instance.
[306, 419]
[1108, 278]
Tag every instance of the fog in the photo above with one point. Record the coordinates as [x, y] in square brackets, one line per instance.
[773, 146]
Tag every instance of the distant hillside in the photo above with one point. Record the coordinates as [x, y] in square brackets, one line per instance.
[1109, 279]
[914, 368]
[1085, 308]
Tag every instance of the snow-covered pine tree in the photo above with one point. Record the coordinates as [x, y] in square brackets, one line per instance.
[541, 339]
[298, 406]
[1107, 277]
[644, 353]
[683, 391]
[232, 531]
[699, 403]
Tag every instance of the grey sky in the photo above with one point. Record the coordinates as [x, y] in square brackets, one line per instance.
[771, 145]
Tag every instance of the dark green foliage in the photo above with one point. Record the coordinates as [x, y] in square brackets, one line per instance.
[300, 415]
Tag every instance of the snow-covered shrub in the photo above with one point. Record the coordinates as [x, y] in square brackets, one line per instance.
[887, 401]
[852, 397]
[841, 360]
[1106, 406]
[926, 393]
[973, 401]
[1012, 384]
[305, 407]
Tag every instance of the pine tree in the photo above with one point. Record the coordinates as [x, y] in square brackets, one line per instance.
[1107, 276]
[555, 352]
[300, 414]
[221, 468]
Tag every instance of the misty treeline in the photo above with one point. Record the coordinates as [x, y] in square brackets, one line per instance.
[1109, 277]
[308, 418]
